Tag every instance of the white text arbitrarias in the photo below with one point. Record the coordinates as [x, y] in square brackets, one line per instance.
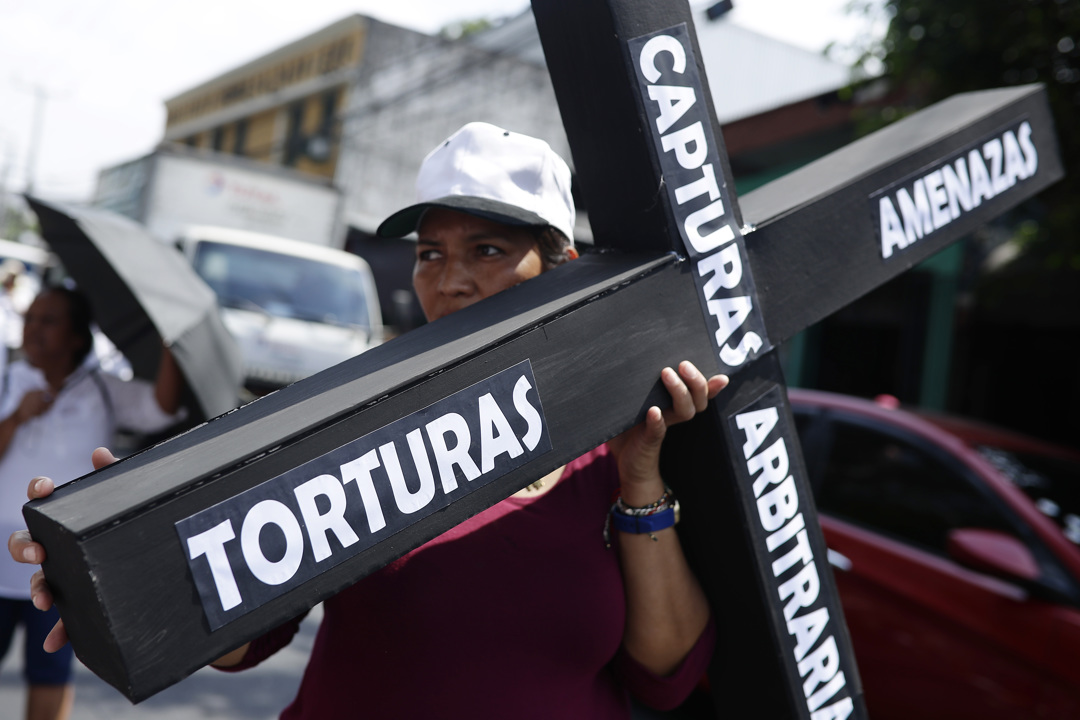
[813, 648]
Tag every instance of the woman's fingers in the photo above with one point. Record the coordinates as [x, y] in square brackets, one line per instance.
[638, 449]
[40, 487]
[716, 384]
[102, 457]
[57, 638]
[696, 384]
[682, 400]
[655, 428]
[23, 548]
[40, 594]
[690, 391]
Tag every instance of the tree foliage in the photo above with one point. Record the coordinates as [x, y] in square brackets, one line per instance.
[464, 28]
[933, 49]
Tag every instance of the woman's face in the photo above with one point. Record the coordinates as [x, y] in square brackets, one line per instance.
[48, 337]
[461, 259]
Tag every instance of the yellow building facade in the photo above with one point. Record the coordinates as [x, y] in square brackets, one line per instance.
[283, 108]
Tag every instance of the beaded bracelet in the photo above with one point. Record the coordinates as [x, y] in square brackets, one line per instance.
[625, 509]
[660, 515]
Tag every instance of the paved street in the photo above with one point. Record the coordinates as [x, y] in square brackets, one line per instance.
[257, 694]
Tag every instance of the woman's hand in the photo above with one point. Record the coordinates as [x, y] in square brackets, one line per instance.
[33, 403]
[23, 549]
[638, 449]
[666, 610]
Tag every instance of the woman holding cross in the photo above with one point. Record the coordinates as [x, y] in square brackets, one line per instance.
[558, 601]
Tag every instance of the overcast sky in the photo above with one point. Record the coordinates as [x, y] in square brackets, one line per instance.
[104, 68]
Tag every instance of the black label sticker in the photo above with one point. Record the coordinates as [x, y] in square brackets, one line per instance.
[929, 199]
[670, 91]
[260, 544]
[792, 556]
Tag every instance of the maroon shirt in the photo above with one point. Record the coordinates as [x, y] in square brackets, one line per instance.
[517, 612]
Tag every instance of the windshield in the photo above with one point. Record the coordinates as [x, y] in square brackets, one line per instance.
[1053, 483]
[282, 285]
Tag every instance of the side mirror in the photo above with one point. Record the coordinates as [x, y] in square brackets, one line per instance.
[993, 552]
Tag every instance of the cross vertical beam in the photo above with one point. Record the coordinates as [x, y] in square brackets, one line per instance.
[649, 154]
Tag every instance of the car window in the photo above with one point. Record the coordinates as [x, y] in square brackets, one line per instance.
[886, 483]
[813, 429]
[282, 285]
[1052, 483]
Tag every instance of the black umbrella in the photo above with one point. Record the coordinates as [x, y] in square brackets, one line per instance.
[144, 292]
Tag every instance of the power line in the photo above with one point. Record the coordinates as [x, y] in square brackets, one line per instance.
[36, 128]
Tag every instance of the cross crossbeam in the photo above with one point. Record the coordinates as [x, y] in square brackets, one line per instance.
[112, 546]
[827, 215]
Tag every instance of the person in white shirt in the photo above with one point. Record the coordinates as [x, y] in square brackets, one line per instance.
[57, 407]
[14, 284]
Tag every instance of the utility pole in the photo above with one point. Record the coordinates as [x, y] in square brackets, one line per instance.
[35, 136]
[5, 168]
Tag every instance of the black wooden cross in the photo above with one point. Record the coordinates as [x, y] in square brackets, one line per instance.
[156, 561]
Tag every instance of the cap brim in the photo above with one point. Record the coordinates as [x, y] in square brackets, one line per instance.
[406, 221]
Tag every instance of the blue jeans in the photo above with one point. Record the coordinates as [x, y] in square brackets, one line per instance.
[39, 667]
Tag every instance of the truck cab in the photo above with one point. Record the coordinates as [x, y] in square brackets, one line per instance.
[295, 308]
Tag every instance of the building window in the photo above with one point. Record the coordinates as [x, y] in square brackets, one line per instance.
[317, 147]
[240, 139]
[217, 141]
[294, 139]
[329, 111]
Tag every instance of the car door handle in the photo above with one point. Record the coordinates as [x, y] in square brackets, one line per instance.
[839, 560]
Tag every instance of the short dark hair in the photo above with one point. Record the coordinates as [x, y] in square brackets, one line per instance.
[80, 315]
[553, 245]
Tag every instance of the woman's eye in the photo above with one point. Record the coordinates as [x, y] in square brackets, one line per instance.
[427, 255]
[489, 250]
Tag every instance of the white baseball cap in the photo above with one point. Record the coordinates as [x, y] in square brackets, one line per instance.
[492, 173]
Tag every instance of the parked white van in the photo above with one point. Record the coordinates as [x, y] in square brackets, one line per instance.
[295, 308]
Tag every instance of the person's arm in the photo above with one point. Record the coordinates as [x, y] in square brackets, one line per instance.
[666, 610]
[169, 386]
[33, 403]
[148, 407]
[232, 659]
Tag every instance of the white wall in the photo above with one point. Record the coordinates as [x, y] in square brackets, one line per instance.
[412, 93]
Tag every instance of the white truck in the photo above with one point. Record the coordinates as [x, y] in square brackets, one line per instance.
[267, 241]
[294, 308]
[176, 186]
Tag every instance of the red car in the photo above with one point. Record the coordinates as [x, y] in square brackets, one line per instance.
[956, 550]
